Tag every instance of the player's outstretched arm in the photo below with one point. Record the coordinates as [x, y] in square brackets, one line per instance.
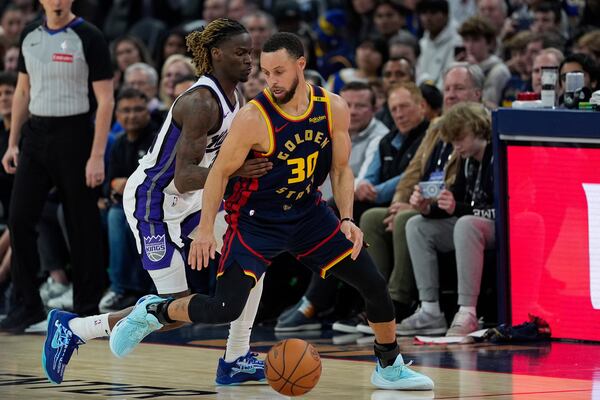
[342, 178]
[196, 113]
[248, 132]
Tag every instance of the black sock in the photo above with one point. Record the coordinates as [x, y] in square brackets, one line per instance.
[159, 310]
[386, 353]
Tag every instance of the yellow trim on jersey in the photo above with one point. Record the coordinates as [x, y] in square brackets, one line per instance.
[329, 116]
[334, 262]
[293, 118]
[269, 128]
[251, 274]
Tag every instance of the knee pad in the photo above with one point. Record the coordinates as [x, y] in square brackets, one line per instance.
[212, 310]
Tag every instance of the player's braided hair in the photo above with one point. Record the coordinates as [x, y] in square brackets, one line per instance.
[200, 42]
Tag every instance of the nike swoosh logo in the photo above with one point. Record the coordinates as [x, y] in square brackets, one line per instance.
[282, 127]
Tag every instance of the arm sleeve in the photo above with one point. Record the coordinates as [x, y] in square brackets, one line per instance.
[96, 52]
[21, 67]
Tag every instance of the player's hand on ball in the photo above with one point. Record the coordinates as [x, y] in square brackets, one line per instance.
[202, 250]
[355, 235]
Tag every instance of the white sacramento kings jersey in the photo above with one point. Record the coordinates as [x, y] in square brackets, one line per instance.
[155, 209]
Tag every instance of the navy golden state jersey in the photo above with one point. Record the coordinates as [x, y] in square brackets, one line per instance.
[301, 152]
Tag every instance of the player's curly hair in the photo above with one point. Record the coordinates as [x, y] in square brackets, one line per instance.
[200, 42]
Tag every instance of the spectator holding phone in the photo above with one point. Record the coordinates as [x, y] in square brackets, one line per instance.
[460, 219]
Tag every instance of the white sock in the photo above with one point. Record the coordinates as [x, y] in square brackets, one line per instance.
[90, 327]
[238, 342]
[431, 307]
[471, 310]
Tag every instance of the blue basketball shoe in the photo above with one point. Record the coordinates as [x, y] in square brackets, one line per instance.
[131, 330]
[399, 377]
[246, 368]
[59, 345]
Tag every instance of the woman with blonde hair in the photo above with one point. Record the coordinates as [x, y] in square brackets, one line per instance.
[175, 67]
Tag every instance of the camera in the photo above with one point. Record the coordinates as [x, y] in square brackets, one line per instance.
[431, 189]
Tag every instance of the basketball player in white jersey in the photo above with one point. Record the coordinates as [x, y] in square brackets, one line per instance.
[162, 200]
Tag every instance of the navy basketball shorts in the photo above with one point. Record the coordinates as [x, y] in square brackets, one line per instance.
[315, 240]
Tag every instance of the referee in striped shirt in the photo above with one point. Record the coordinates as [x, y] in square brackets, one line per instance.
[64, 76]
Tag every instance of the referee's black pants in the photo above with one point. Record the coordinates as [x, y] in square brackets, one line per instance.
[54, 152]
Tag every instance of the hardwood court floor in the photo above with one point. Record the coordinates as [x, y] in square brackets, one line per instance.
[183, 366]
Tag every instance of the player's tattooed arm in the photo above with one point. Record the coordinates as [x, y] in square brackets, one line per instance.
[197, 113]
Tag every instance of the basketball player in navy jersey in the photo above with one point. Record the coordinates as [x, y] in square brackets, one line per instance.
[303, 130]
[162, 200]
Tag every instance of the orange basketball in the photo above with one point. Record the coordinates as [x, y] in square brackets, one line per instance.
[293, 367]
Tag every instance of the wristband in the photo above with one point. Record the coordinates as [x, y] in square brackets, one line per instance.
[346, 219]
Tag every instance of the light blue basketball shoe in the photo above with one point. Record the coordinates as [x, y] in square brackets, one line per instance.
[131, 330]
[399, 377]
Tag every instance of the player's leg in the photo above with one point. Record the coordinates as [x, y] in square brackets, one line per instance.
[239, 364]
[152, 312]
[170, 283]
[391, 372]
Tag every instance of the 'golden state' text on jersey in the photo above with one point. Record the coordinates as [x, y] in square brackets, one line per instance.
[301, 153]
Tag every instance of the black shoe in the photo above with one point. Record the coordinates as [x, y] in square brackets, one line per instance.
[18, 320]
[112, 302]
[349, 325]
[404, 310]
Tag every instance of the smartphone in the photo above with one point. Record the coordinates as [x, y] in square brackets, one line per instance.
[431, 189]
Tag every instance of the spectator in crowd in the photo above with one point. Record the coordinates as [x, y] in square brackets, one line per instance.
[546, 58]
[460, 219]
[128, 280]
[332, 50]
[61, 147]
[213, 9]
[438, 43]
[128, 50]
[479, 39]
[11, 57]
[8, 82]
[238, 9]
[361, 19]
[404, 45]
[365, 130]
[184, 83]
[591, 14]
[590, 44]
[461, 10]
[546, 17]
[370, 56]
[395, 71]
[175, 67]
[261, 27]
[495, 12]
[389, 18]
[433, 100]
[55, 255]
[395, 151]
[12, 23]
[579, 63]
[519, 67]
[144, 78]
[314, 77]
[173, 42]
[254, 85]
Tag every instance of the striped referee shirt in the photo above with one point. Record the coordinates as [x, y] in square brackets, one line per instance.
[61, 65]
